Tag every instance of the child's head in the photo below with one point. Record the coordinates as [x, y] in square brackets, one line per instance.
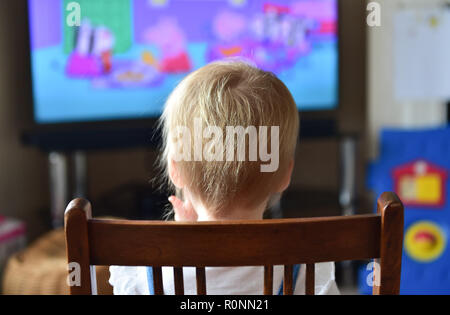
[201, 154]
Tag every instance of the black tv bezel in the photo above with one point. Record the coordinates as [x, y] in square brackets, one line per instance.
[142, 132]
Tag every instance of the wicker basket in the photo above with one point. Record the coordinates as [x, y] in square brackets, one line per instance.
[42, 269]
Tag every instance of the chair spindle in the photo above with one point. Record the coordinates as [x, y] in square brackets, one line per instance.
[157, 281]
[201, 280]
[268, 280]
[178, 278]
[288, 278]
[310, 279]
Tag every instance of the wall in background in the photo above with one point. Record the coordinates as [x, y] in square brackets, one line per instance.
[383, 109]
[23, 171]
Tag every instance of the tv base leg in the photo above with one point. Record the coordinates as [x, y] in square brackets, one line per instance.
[58, 187]
[59, 182]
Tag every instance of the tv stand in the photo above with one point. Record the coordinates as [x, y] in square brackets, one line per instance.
[58, 187]
[59, 183]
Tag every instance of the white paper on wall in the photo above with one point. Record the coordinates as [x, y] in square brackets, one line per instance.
[422, 54]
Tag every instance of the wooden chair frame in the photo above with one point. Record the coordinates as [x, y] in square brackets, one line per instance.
[265, 243]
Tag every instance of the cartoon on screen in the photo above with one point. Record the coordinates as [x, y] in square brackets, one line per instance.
[126, 56]
[275, 37]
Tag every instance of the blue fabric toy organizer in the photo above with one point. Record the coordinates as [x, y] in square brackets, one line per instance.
[416, 164]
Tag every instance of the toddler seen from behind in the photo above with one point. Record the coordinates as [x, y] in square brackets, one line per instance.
[230, 132]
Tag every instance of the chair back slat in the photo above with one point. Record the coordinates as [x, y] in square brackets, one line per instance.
[287, 280]
[158, 280]
[268, 280]
[143, 243]
[201, 280]
[265, 243]
[310, 279]
[178, 280]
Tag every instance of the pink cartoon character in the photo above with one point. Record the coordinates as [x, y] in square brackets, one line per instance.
[229, 28]
[171, 40]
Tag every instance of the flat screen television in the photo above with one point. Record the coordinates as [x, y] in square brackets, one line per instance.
[124, 57]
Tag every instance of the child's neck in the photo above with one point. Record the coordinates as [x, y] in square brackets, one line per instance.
[206, 214]
[237, 214]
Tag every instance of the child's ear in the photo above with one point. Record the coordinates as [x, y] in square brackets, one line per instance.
[174, 174]
[286, 180]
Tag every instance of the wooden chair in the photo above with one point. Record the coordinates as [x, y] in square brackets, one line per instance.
[265, 243]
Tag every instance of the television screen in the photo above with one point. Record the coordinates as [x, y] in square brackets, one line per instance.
[95, 60]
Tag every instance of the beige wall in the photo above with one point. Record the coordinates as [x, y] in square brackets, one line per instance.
[23, 171]
[383, 109]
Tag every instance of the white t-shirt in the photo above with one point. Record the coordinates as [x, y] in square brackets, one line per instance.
[221, 280]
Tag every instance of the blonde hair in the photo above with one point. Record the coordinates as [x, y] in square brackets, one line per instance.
[230, 93]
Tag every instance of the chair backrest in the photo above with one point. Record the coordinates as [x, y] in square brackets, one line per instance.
[265, 243]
